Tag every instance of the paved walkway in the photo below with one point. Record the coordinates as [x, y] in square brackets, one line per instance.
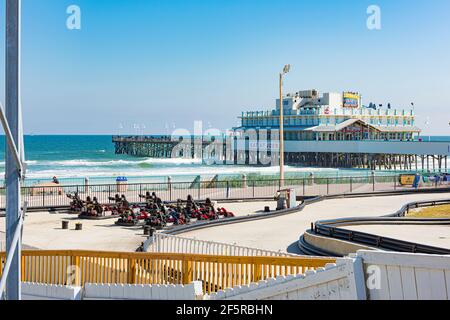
[282, 233]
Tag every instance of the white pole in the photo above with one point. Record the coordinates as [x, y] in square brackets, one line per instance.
[281, 133]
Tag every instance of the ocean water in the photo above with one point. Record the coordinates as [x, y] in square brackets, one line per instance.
[74, 158]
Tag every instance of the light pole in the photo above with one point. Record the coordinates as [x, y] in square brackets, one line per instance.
[286, 70]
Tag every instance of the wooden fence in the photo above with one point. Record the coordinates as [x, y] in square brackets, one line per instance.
[216, 272]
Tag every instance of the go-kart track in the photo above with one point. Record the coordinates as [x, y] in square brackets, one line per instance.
[282, 233]
[42, 230]
[276, 232]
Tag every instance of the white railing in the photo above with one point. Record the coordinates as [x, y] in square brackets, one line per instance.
[164, 243]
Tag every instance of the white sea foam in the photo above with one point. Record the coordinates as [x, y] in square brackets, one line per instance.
[111, 163]
[163, 171]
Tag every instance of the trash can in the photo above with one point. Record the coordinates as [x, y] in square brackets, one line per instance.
[122, 184]
[281, 203]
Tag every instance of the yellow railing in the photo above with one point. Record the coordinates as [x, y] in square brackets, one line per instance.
[216, 272]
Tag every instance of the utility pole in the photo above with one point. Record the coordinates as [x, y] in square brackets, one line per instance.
[286, 70]
[12, 95]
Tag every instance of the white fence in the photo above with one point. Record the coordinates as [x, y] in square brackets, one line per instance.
[404, 276]
[175, 244]
[370, 275]
[38, 291]
[192, 291]
[340, 281]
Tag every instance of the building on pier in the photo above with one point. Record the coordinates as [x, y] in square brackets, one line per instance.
[324, 130]
[333, 116]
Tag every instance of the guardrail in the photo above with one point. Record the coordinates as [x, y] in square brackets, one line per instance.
[216, 272]
[330, 228]
[55, 197]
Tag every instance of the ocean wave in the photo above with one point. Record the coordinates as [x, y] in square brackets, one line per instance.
[204, 170]
[28, 162]
[112, 163]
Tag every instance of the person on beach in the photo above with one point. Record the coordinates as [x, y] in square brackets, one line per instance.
[55, 180]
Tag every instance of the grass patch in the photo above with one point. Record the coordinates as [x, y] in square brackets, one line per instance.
[431, 212]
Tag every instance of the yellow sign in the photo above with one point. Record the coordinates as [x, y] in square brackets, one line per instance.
[407, 179]
[351, 95]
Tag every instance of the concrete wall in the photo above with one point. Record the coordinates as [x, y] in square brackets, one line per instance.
[336, 246]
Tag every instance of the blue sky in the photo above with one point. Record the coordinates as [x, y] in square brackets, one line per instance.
[168, 63]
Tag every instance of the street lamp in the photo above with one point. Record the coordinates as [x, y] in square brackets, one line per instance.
[286, 70]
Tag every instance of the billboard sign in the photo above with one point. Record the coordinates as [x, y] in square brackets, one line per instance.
[351, 100]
